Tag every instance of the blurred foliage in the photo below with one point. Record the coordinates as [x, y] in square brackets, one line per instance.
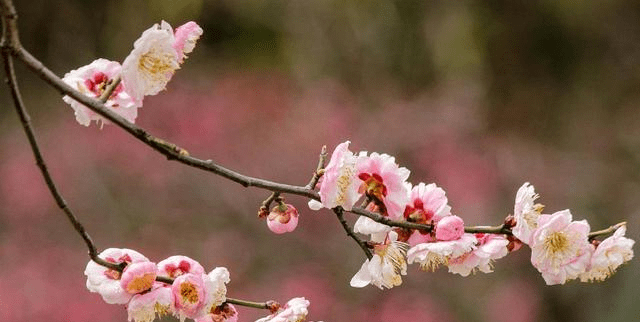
[477, 96]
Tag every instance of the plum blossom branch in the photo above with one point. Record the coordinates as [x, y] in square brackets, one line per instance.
[257, 305]
[25, 120]
[340, 214]
[319, 169]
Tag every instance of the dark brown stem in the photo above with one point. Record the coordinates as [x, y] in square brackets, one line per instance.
[340, 214]
[25, 120]
[258, 305]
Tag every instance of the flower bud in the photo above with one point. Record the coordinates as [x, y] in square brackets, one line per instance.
[449, 228]
[283, 218]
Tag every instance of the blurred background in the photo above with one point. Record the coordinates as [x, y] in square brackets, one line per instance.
[476, 96]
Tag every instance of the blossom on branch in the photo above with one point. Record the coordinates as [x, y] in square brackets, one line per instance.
[159, 301]
[283, 218]
[431, 255]
[222, 313]
[339, 185]
[186, 37]
[177, 265]
[138, 277]
[92, 80]
[488, 248]
[386, 266]
[427, 205]
[385, 182]
[608, 256]
[156, 56]
[559, 248]
[106, 281]
[294, 311]
[526, 213]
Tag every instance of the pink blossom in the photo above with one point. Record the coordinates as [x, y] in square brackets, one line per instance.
[559, 247]
[92, 80]
[449, 228]
[427, 204]
[431, 255]
[608, 256]
[526, 213]
[382, 179]
[294, 311]
[386, 266]
[488, 248]
[106, 281]
[152, 63]
[223, 313]
[339, 185]
[146, 306]
[283, 219]
[177, 265]
[186, 37]
[190, 294]
[138, 277]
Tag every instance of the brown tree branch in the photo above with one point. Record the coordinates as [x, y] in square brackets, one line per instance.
[340, 214]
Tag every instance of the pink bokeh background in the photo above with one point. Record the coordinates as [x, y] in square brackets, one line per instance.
[270, 121]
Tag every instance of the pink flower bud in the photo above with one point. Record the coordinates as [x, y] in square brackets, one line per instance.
[449, 228]
[283, 219]
[138, 277]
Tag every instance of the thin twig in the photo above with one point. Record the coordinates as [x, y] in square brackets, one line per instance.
[319, 169]
[258, 305]
[340, 213]
[25, 120]
[607, 231]
[109, 89]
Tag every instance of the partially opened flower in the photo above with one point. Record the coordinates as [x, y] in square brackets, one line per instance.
[222, 313]
[152, 63]
[386, 266]
[608, 256]
[186, 37]
[339, 185]
[216, 286]
[159, 301]
[489, 247]
[177, 265]
[106, 281]
[427, 205]
[559, 248]
[526, 213]
[294, 311]
[92, 80]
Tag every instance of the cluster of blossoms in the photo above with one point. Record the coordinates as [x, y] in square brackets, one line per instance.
[193, 294]
[177, 286]
[561, 249]
[156, 55]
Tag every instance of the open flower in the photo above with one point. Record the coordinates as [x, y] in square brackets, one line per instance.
[382, 179]
[159, 301]
[526, 213]
[488, 248]
[92, 80]
[431, 255]
[427, 204]
[106, 281]
[138, 277]
[339, 185]
[559, 247]
[385, 267]
[608, 256]
[294, 311]
[152, 63]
